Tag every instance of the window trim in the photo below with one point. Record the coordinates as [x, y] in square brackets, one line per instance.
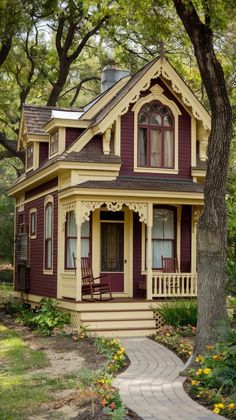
[157, 95]
[50, 144]
[177, 240]
[66, 239]
[33, 235]
[48, 201]
[29, 146]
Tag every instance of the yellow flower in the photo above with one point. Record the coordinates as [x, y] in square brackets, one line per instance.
[206, 371]
[216, 410]
[199, 371]
[115, 357]
[193, 382]
[221, 405]
[199, 358]
[211, 347]
[231, 406]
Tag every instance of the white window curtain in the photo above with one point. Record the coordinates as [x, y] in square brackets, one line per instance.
[85, 239]
[142, 146]
[168, 149]
[71, 240]
[155, 148]
[163, 234]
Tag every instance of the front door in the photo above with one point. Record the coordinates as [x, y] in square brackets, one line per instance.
[112, 248]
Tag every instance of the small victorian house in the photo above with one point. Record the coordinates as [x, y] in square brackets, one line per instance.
[121, 182]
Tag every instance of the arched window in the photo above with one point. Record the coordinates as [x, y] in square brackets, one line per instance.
[48, 237]
[155, 136]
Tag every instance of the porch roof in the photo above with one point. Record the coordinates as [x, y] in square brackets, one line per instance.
[150, 184]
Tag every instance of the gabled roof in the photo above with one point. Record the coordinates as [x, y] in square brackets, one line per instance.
[36, 116]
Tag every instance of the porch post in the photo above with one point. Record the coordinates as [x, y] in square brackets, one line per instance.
[149, 251]
[78, 252]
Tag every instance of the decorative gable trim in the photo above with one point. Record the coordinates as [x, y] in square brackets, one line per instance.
[157, 94]
[163, 68]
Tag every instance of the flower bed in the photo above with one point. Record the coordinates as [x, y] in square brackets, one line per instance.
[213, 383]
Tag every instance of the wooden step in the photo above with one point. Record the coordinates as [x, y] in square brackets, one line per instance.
[88, 316]
[120, 323]
[124, 332]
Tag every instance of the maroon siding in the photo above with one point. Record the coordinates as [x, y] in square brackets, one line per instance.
[137, 249]
[43, 152]
[41, 188]
[39, 283]
[127, 141]
[185, 264]
[72, 134]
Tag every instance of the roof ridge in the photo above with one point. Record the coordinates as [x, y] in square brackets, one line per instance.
[49, 107]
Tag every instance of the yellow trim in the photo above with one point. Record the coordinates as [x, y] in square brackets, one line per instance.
[51, 171]
[117, 137]
[100, 104]
[38, 137]
[55, 123]
[35, 197]
[178, 232]
[166, 197]
[193, 141]
[33, 210]
[158, 69]
[159, 96]
[48, 199]
[198, 172]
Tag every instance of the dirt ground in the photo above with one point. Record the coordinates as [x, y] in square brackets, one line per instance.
[65, 357]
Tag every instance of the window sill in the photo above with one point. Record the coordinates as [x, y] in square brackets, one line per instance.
[33, 236]
[48, 272]
[156, 170]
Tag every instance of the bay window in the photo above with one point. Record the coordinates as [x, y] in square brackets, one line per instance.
[155, 136]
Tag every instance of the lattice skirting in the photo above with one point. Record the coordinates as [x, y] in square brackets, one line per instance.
[159, 320]
[75, 319]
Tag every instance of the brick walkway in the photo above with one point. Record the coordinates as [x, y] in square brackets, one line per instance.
[151, 386]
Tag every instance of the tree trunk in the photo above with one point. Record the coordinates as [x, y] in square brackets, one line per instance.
[211, 237]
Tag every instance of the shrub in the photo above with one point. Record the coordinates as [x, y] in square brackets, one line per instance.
[231, 271]
[50, 317]
[178, 313]
[215, 378]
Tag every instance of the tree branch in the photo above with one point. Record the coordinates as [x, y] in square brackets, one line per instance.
[10, 146]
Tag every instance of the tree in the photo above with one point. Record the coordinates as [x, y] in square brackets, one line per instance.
[211, 243]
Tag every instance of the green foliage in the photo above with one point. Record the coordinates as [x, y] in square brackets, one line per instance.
[171, 337]
[215, 378]
[178, 312]
[49, 317]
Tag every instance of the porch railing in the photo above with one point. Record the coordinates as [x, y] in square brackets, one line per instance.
[174, 285]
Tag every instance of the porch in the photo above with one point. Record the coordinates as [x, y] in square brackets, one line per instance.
[130, 252]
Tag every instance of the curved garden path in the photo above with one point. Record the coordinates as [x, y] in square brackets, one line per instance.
[152, 387]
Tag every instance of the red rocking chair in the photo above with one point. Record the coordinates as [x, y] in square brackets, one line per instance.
[94, 287]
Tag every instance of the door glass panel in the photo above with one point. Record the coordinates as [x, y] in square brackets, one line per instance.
[112, 247]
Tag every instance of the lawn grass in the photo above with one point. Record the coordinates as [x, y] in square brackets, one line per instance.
[22, 390]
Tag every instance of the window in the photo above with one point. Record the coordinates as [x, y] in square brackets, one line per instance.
[48, 237]
[155, 136]
[30, 156]
[85, 239]
[71, 240]
[54, 143]
[33, 221]
[163, 235]
[21, 223]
